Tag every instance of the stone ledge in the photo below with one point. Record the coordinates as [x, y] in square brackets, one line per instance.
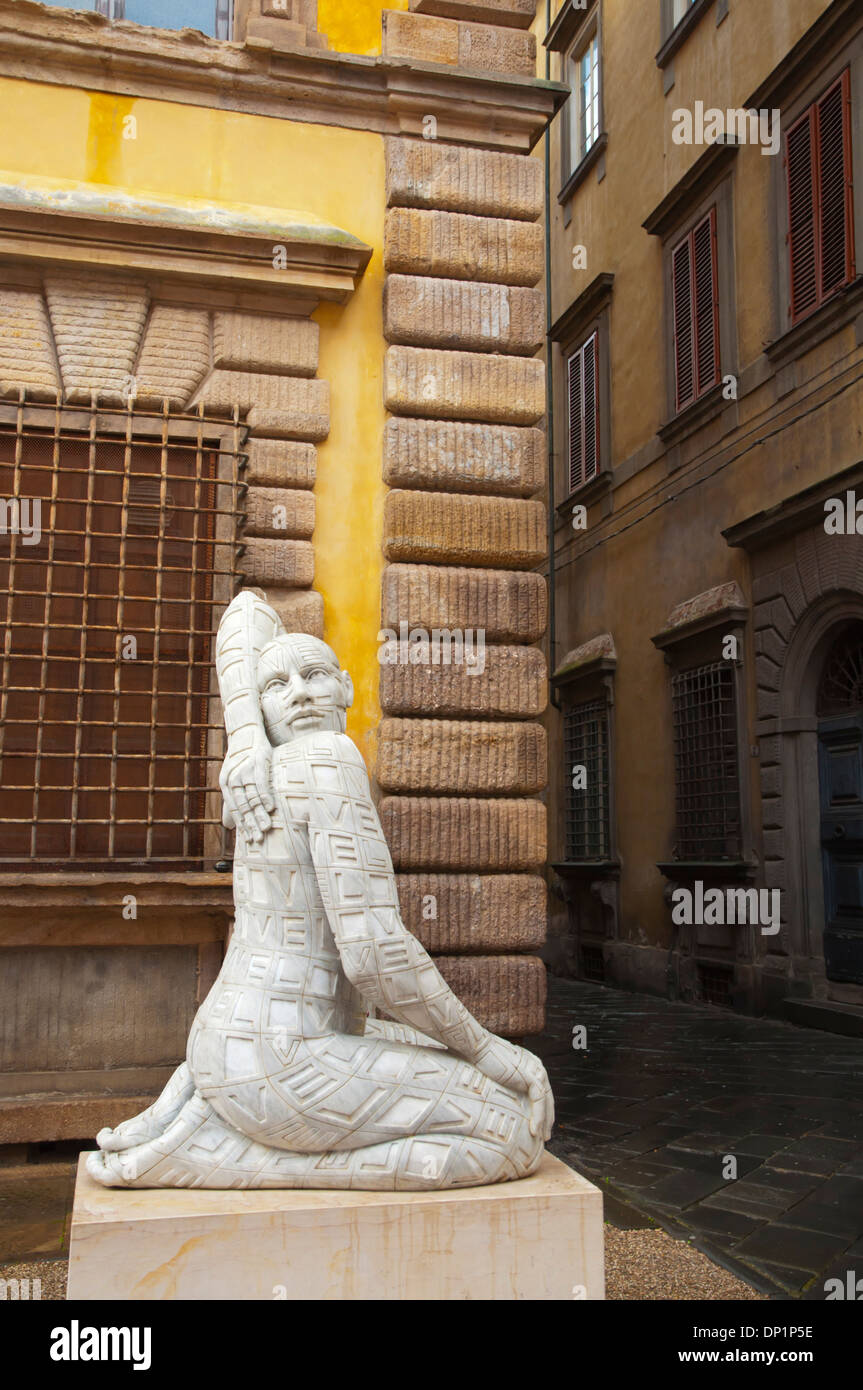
[517, 14]
[458, 43]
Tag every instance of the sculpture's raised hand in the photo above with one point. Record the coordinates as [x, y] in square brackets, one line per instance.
[245, 780]
[520, 1070]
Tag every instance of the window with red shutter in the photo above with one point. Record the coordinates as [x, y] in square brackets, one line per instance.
[820, 207]
[695, 292]
[583, 397]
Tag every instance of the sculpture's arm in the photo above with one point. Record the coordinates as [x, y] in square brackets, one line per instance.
[381, 958]
[248, 624]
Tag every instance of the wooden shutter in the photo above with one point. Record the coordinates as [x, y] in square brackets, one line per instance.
[695, 288]
[835, 229]
[820, 209]
[583, 393]
[706, 297]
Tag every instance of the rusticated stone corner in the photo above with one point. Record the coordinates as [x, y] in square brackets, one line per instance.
[423, 174]
[301, 610]
[474, 913]
[281, 463]
[450, 456]
[512, 685]
[517, 14]
[461, 758]
[427, 312]
[286, 564]
[506, 605]
[274, 511]
[458, 246]
[506, 993]
[465, 833]
[464, 530]
[261, 343]
[464, 386]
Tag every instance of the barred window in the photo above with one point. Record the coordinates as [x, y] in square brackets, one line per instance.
[118, 549]
[706, 763]
[588, 823]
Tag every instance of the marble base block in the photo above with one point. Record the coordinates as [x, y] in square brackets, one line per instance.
[539, 1238]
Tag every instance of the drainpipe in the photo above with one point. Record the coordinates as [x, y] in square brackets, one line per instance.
[549, 375]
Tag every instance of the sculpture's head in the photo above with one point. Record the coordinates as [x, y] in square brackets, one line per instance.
[302, 688]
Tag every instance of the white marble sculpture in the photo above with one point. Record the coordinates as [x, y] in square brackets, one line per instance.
[288, 1082]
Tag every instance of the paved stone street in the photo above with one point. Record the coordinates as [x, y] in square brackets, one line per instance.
[666, 1092]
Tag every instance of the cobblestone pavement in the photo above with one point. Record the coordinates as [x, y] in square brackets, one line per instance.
[666, 1093]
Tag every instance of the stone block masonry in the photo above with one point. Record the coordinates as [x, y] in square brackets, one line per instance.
[86, 333]
[461, 758]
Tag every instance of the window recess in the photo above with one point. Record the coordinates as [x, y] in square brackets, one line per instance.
[119, 549]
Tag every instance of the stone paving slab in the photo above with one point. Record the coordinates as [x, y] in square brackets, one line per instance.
[666, 1093]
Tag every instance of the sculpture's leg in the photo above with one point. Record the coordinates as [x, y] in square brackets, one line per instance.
[153, 1122]
[200, 1150]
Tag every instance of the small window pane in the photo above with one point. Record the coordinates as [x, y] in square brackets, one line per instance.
[584, 80]
[681, 7]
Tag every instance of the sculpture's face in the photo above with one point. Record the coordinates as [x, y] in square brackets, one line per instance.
[302, 688]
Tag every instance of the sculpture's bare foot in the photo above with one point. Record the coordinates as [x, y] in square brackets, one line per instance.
[152, 1122]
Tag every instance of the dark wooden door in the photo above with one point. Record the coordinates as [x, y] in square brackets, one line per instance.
[840, 758]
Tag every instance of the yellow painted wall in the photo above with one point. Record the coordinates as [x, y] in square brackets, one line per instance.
[64, 135]
[354, 26]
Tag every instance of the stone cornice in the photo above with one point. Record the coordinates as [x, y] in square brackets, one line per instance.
[390, 96]
[192, 242]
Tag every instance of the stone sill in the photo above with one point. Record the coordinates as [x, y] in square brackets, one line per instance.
[713, 869]
[585, 494]
[694, 416]
[831, 316]
[182, 892]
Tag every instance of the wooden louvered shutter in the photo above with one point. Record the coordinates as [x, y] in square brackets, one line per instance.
[706, 305]
[583, 392]
[684, 346]
[820, 209]
[835, 225]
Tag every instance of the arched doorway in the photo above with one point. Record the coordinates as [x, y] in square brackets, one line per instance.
[839, 710]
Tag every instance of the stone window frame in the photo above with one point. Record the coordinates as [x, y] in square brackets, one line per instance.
[688, 642]
[673, 35]
[709, 184]
[570, 33]
[808, 78]
[590, 313]
[585, 675]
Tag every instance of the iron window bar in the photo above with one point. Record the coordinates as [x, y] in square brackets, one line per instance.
[706, 763]
[111, 734]
[585, 736]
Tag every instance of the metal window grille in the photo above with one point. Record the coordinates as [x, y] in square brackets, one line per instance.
[587, 811]
[119, 547]
[706, 763]
[716, 984]
[593, 964]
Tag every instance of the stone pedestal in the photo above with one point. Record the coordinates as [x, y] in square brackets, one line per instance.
[540, 1238]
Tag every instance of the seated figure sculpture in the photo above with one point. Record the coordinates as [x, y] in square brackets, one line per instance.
[288, 1082]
